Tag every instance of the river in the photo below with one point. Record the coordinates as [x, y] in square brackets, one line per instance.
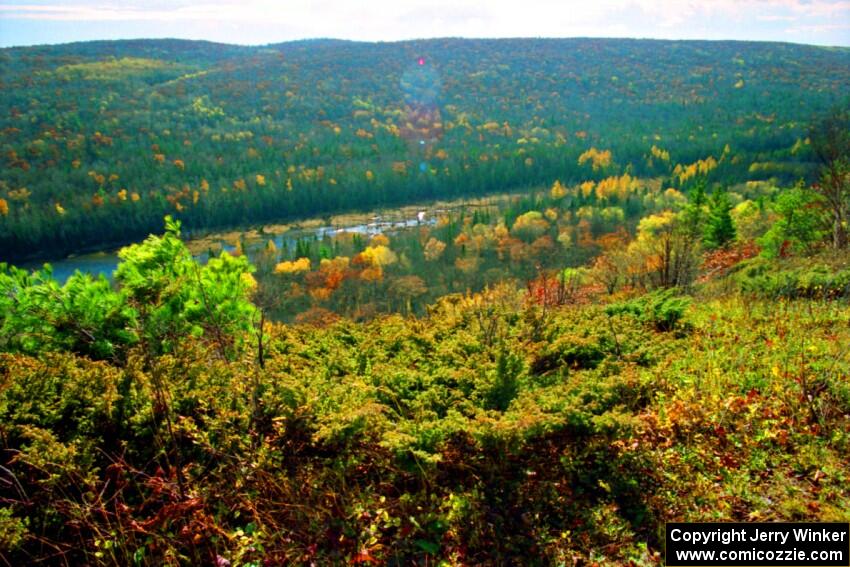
[285, 236]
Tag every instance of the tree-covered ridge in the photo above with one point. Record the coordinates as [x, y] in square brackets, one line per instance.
[104, 138]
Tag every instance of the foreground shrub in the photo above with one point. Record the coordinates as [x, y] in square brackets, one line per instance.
[816, 281]
[663, 309]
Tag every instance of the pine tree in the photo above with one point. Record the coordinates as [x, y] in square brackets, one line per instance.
[693, 216]
[719, 228]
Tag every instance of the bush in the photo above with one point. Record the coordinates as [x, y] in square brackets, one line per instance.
[799, 227]
[816, 281]
[663, 309]
[506, 385]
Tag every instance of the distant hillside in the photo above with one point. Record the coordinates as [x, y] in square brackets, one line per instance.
[101, 139]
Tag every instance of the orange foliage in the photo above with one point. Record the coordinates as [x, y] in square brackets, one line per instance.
[542, 245]
[321, 293]
[613, 240]
[517, 250]
[409, 286]
[379, 240]
[434, 249]
[317, 317]
[98, 178]
[553, 290]
[585, 237]
[467, 265]
[333, 272]
[718, 262]
[372, 274]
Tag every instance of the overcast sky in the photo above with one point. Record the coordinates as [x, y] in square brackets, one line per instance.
[28, 22]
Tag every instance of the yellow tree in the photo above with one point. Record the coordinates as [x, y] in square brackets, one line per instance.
[558, 190]
[379, 255]
[666, 250]
[293, 267]
[599, 159]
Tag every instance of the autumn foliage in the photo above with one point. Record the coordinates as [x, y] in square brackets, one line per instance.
[140, 427]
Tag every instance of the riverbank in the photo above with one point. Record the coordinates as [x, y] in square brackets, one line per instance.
[250, 238]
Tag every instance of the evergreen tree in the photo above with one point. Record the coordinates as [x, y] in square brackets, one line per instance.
[693, 216]
[719, 228]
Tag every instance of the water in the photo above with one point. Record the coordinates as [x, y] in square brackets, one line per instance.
[105, 262]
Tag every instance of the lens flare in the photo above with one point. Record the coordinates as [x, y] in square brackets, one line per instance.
[423, 125]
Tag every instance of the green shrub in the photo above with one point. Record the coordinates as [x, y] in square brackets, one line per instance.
[799, 227]
[663, 309]
[816, 281]
[506, 384]
[12, 530]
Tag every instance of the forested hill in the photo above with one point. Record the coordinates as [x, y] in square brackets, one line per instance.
[101, 139]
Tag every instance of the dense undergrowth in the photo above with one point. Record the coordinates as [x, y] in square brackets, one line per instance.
[495, 430]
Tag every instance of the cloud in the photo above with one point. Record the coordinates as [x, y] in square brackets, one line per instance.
[821, 28]
[667, 10]
[395, 19]
[775, 18]
[100, 13]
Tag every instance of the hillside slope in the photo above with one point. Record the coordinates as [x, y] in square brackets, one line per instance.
[493, 431]
[103, 138]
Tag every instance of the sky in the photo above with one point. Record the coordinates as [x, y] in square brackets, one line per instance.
[253, 22]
